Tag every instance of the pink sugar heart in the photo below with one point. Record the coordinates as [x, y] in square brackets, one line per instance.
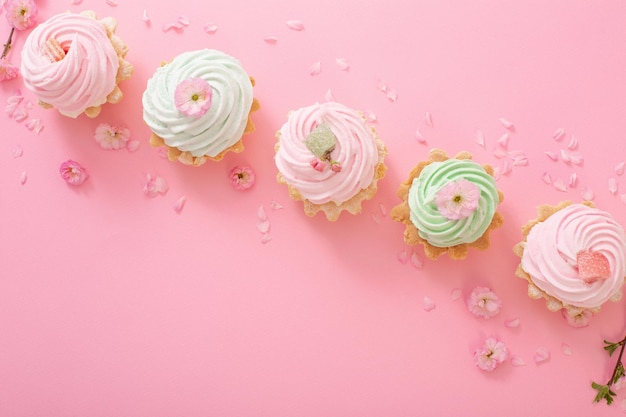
[592, 266]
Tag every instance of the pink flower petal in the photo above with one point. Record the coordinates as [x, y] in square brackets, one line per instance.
[376, 218]
[428, 304]
[553, 156]
[619, 168]
[558, 134]
[573, 143]
[391, 94]
[480, 138]
[316, 68]
[513, 323]
[382, 86]
[420, 137]
[573, 180]
[503, 140]
[18, 152]
[623, 198]
[179, 204]
[271, 40]
[566, 349]
[499, 153]
[576, 158]
[33, 124]
[276, 205]
[416, 262]
[160, 185]
[559, 185]
[145, 16]
[565, 156]
[383, 209]
[77, 1]
[455, 294]
[266, 238]
[587, 194]
[370, 116]
[403, 257]
[547, 178]
[20, 114]
[506, 123]
[183, 20]
[263, 226]
[210, 28]
[329, 96]
[162, 152]
[111, 3]
[613, 186]
[517, 361]
[520, 161]
[171, 26]
[295, 24]
[342, 63]
[506, 167]
[428, 119]
[261, 214]
[23, 177]
[497, 173]
[133, 145]
[541, 355]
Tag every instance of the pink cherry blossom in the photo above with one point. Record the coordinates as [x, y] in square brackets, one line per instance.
[8, 71]
[73, 173]
[21, 14]
[192, 97]
[335, 167]
[242, 178]
[111, 137]
[577, 317]
[483, 302]
[458, 199]
[318, 164]
[491, 354]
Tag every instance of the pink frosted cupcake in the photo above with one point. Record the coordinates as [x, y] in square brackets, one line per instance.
[74, 62]
[574, 257]
[329, 158]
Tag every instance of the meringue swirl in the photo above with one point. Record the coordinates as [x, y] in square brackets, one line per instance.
[435, 228]
[550, 255]
[222, 125]
[84, 77]
[356, 151]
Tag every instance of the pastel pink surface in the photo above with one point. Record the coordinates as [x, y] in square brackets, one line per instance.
[114, 304]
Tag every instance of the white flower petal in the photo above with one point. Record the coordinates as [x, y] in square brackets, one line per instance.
[513, 323]
[503, 140]
[559, 185]
[179, 204]
[18, 151]
[558, 134]
[183, 20]
[573, 180]
[613, 186]
[295, 24]
[566, 349]
[210, 28]
[419, 137]
[429, 304]
[261, 214]
[428, 119]
[370, 116]
[145, 16]
[276, 205]
[133, 145]
[507, 124]
[416, 261]
[573, 143]
[342, 63]
[263, 226]
[316, 68]
[480, 138]
[542, 354]
[547, 178]
[266, 238]
[553, 156]
[23, 177]
[517, 361]
[455, 294]
[329, 96]
[391, 94]
[403, 257]
[587, 194]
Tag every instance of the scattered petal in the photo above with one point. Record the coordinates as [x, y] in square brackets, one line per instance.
[566, 349]
[329, 95]
[480, 138]
[276, 205]
[553, 156]
[512, 324]
[416, 262]
[316, 68]
[34, 124]
[383, 209]
[391, 94]
[210, 28]
[428, 119]
[520, 160]
[295, 24]
[587, 194]
[154, 186]
[558, 134]
[612, 185]
[145, 16]
[370, 116]
[271, 40]
[179, 204]
[503, 140]
[506, 123]
[111, 3]
[261, 214]
[542, 354]
[20, 114]
[342, 63]
[23, 177]
[517, 361]
[429, 304]
[623, 198]
[419, 137]
[573, 143]
[263, 226]
[619, 168]
[547, 178]
[506, 167]
[169, 26]
[403, 258]
[500, 153]
[242, 178]
[382, 86]
[183, 20]
[455, 294]
[573, 180]
[77, 1]
[266, 238]
[18, 152]
[133, 145]
[576, 158]
[497, 173]
[376, 217]
[565, 156]
[559, 185]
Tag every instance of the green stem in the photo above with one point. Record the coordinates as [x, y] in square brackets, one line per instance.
[7, 45]
[622, 343]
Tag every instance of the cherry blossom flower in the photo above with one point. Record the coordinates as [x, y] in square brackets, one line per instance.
[458, 199]
[21, 14]
[8, 71]
[483, 302]
[242, 178]
[193, 97]
[491, 354]
[73, 173]
[578, 317]
[111, 137]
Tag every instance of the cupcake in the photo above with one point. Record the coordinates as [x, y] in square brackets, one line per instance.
[199, 105]
[573, 256]
[449, 205]
[329, 158]
[74, 62]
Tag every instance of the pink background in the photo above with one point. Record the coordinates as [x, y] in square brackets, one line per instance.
[114, 304]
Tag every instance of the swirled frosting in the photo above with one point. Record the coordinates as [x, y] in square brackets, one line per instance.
[356, 151]
[552, 246]
[222, 125]
[435, 228]
[84, 77]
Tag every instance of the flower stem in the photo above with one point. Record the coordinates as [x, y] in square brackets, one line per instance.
[622, 343]
[7, 45]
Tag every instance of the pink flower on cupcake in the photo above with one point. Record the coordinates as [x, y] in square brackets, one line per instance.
[193, 96]
[458, 199]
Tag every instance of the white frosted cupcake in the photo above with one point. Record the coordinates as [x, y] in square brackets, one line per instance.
[329, 158]
[199, 105]
[573, 256]
[74, 62]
